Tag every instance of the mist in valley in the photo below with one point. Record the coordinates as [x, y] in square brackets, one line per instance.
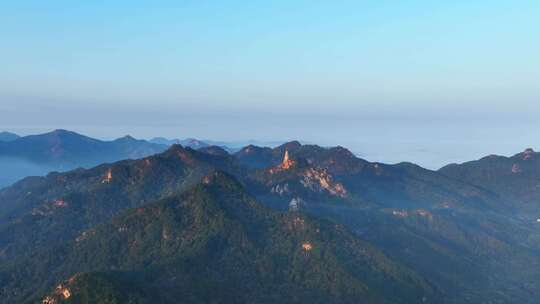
[14, 169]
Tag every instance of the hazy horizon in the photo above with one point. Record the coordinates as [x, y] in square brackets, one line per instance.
[420, 81]
[429, 144]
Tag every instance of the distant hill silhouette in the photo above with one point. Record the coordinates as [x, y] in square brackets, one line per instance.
[8, 136]
[63, 150]
[189, 142]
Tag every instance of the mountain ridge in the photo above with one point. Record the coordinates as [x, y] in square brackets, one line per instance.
[513, 177]
[62, 150]
[417, 217]
[302, 259]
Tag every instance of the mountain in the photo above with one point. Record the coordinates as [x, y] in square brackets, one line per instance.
[214, 244]
[464, 240]
[214, 150]
[338, 173]
[64, 147]
[7, 136]
[419, 217]
[515, 178]
[189, 142]
[235, 146]
[258, 157]
[229, 146]
[164, 141]
[62, 150]
[43, 210]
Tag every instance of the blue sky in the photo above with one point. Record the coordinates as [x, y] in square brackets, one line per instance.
[257, 69]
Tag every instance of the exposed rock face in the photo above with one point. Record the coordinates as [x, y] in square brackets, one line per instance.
[307, 246]
[320, 180]
[419, 212]
[400, 213]
[60, 203]
[61, 293]
[280, 189]
[49, 207]
[49, 300]
[108, 177]
[295, 204]
[286, 164]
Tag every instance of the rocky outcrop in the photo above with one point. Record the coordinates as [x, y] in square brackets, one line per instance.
[320, 180]
[286, 164]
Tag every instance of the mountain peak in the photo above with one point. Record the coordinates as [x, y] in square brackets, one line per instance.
[61, 132]
[528, 153]
[8, 136]
[176, 147]
[193, 143]
[291, 145]
[250, 149]
[186, 154]
[126, 138]
[343, 151]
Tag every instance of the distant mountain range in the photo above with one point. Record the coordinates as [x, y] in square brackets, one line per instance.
[295, 223]
[62, 150]
[190, 142]
[230, 146]
[66, 148]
